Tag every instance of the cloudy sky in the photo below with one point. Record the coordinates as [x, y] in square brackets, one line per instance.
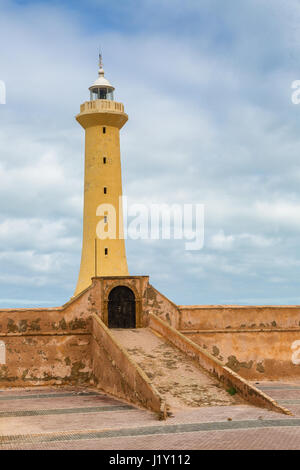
[207, 86]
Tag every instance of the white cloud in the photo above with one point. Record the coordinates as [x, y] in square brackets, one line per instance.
[220, 241]
[280, 212]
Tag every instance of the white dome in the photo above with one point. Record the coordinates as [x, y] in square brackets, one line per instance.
[101, 82]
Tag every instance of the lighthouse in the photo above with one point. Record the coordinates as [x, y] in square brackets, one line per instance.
[103, 245]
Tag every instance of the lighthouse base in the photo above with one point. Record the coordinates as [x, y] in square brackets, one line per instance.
[74, 344]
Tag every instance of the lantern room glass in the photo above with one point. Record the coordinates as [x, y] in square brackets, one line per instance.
[102, 94]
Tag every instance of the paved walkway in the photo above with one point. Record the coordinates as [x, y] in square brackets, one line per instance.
[285, 393]
[76, 418]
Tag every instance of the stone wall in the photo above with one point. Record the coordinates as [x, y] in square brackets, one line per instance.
[54, 345]
[217, 317]
[258, 342]
[161, 306]
[47, 346]
[256, 355]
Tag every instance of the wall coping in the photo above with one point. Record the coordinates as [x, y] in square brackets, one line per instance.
[105, 278]
[31, 309]
[244, 307]
[241, 330]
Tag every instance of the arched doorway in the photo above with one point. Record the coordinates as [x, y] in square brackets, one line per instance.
[121, 308]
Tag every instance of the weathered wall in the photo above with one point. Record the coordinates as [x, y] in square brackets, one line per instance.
[41, 360]
[256, 355]
[47, 346]
[156, 303]
[58, 345]
[212, 317]
[255, 341]
[54, 345]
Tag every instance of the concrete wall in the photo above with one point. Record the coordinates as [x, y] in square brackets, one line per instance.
[54, 345]
[47, 346]
[71, 345]
[258, 342]
[156, 303]
[256, 355]
[213, 317]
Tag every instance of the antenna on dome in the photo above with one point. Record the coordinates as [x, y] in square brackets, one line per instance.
[101, 88]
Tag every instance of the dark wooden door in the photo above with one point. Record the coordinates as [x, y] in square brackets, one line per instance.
[121, 308]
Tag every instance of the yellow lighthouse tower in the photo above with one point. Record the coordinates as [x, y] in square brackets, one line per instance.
[103, 246]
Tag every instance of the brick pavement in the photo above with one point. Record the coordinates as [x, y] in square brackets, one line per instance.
[94, 420]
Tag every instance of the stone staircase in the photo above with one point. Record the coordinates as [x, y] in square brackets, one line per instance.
[177, 378]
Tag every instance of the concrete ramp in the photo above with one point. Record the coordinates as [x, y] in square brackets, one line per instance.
[176, 377]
